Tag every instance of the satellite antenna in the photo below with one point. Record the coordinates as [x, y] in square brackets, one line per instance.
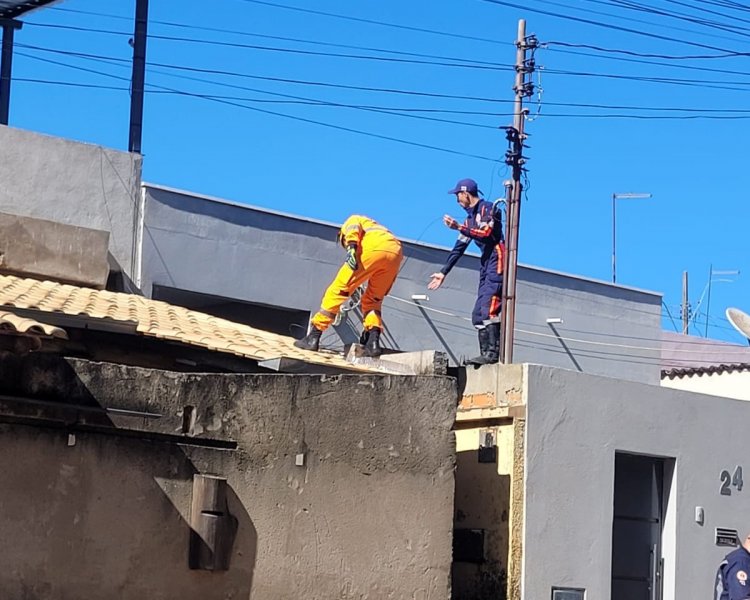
[740, 320]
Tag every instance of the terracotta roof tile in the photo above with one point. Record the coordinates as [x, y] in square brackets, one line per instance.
[16, 324]
[158, 319]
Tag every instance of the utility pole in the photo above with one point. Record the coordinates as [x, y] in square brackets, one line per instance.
[514, 158]
[685, 304]
[708, 299]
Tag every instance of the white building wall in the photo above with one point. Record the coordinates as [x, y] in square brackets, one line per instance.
[575, 424]
[733, 384]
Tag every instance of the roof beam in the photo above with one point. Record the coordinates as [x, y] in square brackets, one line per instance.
[10, 9]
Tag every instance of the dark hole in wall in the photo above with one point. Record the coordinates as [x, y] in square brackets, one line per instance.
[468, 545]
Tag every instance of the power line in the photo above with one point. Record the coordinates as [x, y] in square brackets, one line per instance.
[628, 5]
[70, 83]
[646, 54]
[738, 350]
[632, 19]
[459, 61]
[729, 85]
[278, 114]
[699, 112]
[709, 11]
[655, 63]
[313, 101]
[727, 4]
[606, 25]
[395, 111]
[373, 22]
[719, 85]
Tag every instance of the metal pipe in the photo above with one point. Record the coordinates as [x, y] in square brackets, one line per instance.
[138, 81]
[614, 246]
[506, 267]
[124, 412]
[6, 65]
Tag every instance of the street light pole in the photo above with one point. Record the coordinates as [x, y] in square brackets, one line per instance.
[615, 197]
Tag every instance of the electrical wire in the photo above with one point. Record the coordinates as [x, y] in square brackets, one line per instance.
[276, 79]
[589, 11]
[466, 62]
[709, 11]
[315, 102]
[675, 65]
[740, 351]
[211, 71]
[373, 22]
[457, 62]
[606, 25]
[461, 61]
[285, 115]
[713, 114]
[731, 27]
[626, 5]
[647, 54]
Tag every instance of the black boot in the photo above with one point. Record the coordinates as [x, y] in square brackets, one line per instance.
[489, 345]
[493, 354]
[311, 341]
[363, 337]
[372, 342]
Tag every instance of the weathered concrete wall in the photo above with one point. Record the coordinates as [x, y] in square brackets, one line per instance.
[368, 515]
[575, 424]
[73, 183]
[47, 250]
[192, 242]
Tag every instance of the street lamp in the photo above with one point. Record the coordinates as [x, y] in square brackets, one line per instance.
[630, 196]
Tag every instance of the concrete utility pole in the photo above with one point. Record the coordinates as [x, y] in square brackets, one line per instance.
[514, 158]
[685, 304]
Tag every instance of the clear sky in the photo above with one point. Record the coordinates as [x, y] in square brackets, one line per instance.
[236, 131]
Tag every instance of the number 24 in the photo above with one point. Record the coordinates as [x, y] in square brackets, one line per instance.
[735, 480]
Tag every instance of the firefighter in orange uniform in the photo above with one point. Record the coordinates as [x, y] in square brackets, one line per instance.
[373, 255]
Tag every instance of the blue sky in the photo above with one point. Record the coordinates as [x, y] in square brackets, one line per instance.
[695, 169]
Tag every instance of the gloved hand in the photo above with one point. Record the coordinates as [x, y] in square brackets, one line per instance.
[351, 256]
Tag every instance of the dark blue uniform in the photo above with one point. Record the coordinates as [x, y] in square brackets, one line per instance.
[732, 576]
[483, 225]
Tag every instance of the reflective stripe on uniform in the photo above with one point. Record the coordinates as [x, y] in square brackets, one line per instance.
[720, 591]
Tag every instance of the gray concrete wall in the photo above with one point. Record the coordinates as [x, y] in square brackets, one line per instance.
[575, 424]
[75, 184]
[214, 247]
[47, 250]
[369, 515]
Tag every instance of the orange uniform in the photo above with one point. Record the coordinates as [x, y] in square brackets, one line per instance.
[378, 260]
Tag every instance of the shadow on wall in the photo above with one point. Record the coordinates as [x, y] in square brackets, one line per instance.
[481, 527]
[98, 520]
[96, 515]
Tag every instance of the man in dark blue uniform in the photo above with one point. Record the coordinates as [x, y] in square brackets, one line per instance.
[732, 575]
[483, 225]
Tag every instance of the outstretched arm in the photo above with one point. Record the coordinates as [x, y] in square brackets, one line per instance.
[462, 243]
